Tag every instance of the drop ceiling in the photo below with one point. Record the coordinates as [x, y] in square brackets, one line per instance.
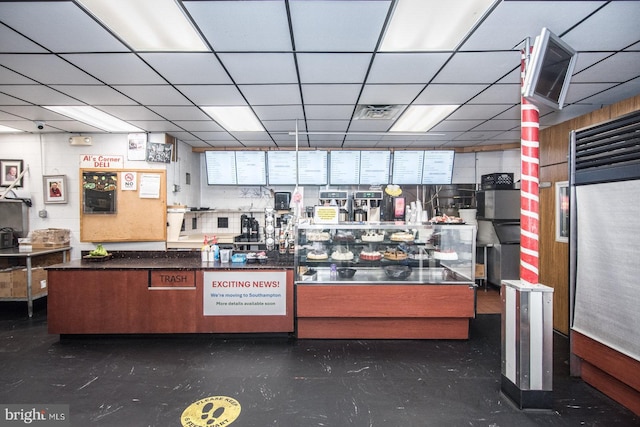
[308, 64]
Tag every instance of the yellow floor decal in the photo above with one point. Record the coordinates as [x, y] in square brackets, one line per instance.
[214, 411]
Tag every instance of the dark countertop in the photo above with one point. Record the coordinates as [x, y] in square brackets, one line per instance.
[158, 260]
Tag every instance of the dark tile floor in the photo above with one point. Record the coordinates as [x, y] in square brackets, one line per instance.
[150, 381]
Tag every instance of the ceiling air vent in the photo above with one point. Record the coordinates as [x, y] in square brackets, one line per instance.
[377, 112]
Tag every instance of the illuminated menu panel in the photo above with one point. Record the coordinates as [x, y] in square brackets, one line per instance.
[374, 167]
[221, 167]
[251, 168]
[407, 167]
[282, 167]
[312, 167]
[437, 167]
[345, 168]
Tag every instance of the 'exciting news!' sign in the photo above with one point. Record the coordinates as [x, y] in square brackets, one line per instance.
[245, 293]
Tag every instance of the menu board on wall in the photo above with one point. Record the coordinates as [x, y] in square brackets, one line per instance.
[251, 168]
[282, 167]
[374, 167]
[221, 167]
[312, 167]
[437, 167]
[345, 168]
[407, 167]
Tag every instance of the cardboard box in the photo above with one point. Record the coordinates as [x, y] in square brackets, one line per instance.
[6, 282]
[19, 282]
[480, 271]
[50, 238]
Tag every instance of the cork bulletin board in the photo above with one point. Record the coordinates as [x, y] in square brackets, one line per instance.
[110, 213]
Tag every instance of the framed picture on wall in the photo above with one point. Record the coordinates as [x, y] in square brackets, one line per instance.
[54, 188]
[562, 211]
[159, 153]
[11, 170]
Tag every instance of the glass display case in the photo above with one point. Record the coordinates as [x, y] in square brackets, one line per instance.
[385, 253]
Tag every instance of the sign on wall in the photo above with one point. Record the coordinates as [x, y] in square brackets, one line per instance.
[245, 293]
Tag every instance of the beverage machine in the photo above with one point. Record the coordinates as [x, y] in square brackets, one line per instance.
[366, 206]
[340, 199]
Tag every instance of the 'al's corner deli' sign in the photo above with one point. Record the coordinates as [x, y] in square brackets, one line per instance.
[245, 293]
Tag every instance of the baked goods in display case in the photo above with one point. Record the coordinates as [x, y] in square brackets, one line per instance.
[402, 236]
[317, 255]
[395, 254]
[370, 256]
[318, 236]
[344, 236]
[372, 236]
[445, 219]
[342, 255]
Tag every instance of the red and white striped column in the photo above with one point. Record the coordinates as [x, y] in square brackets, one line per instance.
[529, 188]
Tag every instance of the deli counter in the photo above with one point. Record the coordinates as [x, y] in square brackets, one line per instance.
[385, 280]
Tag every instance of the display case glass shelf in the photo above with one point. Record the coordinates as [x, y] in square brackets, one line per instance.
[385, 252]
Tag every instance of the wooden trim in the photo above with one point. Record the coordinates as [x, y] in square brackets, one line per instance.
[615, 374]
[398, 301]
[383, 328]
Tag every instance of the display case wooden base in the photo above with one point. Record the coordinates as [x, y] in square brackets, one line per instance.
[384, 311]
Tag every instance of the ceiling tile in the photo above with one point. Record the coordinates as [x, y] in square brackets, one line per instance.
[199, 125]
[448, 93]
[252, 68]
[188, 67]
[333, 67]
[10, 100]
[513, 21]
[154, 94]
[155, 125]
[620, 67]
[95, 94]
[283, 126]
[242, 25]
[11, 42]
[271, 94]
[327, 125]
[406, 67]
[279, 112]
[328, 112]
[389, 94]
[212, 94]
[180, 113]
[613, 26]
[47, 69]
[330, 94]
[36, 94]
[482, 112]
[130, 112]
[338, 26]
[579, 91]
[499, 94]
[464, 67]
[59, 26]
[115, 68]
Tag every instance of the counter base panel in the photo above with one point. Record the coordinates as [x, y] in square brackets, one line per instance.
[384, 311]
[383, 328]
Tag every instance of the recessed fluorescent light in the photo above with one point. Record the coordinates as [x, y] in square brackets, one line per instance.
[421, 118]
[235, 119]
[94, 117]
[427, 25]
[148, 25]
[7, 129]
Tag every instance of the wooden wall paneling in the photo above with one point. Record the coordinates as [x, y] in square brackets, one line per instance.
[554, 256]
[97, 301]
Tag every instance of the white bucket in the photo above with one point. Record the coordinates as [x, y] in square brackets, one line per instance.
[468, 215]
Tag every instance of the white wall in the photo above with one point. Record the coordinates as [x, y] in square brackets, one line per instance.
[51, 154]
